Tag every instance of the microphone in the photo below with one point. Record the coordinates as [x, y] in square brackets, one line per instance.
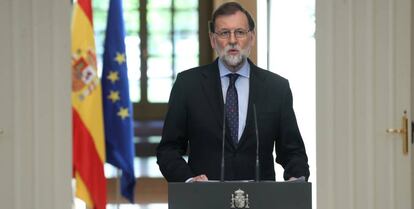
[223, 141]
[257, 144]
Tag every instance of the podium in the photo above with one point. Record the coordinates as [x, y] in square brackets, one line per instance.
[228, 195]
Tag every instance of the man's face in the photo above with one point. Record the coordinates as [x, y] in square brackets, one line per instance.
[236, 47]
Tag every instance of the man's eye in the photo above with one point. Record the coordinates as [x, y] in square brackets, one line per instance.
[225, 33]
[239, 33]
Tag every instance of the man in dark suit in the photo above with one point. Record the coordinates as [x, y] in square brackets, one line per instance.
[222, 94]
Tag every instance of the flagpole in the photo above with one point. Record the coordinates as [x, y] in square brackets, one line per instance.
[118, 188]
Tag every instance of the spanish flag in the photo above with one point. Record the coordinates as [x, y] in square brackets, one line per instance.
[87, 111]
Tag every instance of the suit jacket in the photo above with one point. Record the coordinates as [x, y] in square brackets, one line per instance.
[195, 119]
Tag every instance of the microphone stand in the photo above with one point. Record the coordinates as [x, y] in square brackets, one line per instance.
[257, 144]
[223, 143]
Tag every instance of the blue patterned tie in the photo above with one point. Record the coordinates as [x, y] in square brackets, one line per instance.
[232, 108]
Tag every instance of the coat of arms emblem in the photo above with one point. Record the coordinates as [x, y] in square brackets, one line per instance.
[239, 199]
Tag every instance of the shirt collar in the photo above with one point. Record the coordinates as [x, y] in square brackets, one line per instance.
[244, 70]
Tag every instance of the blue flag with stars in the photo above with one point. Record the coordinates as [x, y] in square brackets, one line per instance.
[120, 150]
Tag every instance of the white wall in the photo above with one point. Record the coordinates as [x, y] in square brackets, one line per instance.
[412, 99]
[363, 66]
[35, 108]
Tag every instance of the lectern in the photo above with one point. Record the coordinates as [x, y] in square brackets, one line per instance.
[229, 195]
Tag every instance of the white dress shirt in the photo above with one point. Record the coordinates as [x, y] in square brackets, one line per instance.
[242, 86]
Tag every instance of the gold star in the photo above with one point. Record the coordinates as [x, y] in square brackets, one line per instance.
[79, 51]
[114, 96]
[113, 76]
[123, 113]
[120, 58]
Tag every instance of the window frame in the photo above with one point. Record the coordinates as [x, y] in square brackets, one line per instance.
[145, 110]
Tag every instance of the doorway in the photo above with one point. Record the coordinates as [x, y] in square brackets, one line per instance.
[286, 46]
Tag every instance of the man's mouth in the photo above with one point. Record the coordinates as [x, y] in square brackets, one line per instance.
[233, 51]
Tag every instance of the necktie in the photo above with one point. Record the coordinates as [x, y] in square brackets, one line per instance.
[232, 108]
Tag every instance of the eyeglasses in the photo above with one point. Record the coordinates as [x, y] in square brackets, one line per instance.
[239, 33]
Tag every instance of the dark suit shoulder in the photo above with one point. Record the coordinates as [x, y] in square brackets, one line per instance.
[269, 77]
[196, 71]
[194, 77]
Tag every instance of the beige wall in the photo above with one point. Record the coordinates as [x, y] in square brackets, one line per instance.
[362, 88]
[412, 101]
[35, 113]
[251, 6]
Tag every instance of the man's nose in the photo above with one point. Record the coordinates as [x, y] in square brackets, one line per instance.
[232, 38]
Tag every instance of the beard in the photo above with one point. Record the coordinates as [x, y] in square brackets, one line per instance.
[233, 60]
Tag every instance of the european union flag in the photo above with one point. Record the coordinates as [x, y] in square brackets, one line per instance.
[118, 120]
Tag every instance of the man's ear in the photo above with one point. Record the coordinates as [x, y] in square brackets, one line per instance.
[253, 37]
[212, 40]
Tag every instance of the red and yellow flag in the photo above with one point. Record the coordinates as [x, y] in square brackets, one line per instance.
[87, 114]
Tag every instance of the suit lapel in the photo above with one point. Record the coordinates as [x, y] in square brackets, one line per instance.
[255, 90]
[212, 88]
